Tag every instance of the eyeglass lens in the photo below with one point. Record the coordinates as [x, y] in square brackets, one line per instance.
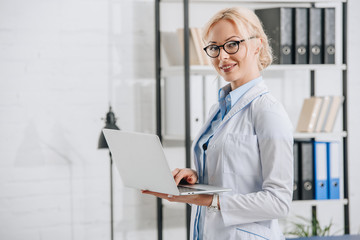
[229, 47]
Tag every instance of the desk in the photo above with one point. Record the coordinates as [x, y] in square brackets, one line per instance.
[344, 237]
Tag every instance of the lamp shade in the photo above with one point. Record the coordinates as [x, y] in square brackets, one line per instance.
[110, 123]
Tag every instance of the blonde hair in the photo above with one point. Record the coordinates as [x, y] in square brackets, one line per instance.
[249, 25]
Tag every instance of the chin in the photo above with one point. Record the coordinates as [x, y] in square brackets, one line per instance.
[230, 78]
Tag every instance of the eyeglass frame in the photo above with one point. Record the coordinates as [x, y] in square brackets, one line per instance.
[219, 46]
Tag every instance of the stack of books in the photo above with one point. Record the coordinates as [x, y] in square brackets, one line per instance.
[318, 114]
[173, 46]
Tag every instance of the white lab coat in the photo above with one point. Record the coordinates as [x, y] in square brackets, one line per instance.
[251, 153]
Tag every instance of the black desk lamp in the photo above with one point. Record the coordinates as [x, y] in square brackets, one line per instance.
[110, 123]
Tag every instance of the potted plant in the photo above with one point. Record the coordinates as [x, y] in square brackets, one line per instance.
[307, 228]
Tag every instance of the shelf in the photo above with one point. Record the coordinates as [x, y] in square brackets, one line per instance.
[194, 70]
[318, 202]
[257, 1]
[326, 136]
[297, 135]
[278, 67]
[209, 70]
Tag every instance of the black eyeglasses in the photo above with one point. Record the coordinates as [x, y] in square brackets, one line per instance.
[230, 47]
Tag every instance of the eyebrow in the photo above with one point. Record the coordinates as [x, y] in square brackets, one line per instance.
[225, 39]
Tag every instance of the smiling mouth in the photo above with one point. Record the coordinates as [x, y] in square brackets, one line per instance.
[227, 68]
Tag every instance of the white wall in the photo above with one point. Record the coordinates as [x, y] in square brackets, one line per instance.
[55, 66]
[354, 114]
[53, 92]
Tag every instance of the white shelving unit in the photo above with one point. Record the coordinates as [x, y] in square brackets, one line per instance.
[186, 71]
[321, 136]
[318, 202]
[208, 70]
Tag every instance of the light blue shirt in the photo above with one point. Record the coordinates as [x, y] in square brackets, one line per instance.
[227, 99]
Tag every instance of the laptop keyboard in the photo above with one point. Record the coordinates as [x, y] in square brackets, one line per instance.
[187, 189]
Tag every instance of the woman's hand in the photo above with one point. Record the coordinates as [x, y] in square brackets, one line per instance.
[186, 174]
[190, 176]
[198, 199]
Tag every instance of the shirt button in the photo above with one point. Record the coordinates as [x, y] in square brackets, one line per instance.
[205, 146]
[228, 99]
[213, 146]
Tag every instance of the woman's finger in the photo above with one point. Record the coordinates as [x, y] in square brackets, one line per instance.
[178, 177]
[192, 179]
[175, 171]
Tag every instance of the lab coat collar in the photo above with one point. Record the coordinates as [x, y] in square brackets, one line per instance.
[256, 91]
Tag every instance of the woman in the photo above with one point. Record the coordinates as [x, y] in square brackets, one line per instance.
[246, 144]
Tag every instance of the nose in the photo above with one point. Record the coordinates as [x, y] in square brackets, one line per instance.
[223, 54]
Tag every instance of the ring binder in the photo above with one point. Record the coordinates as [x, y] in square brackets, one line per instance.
[320, 170]
[307, 170]
[278, 25]
[333, 173]
[301, 35]
[329, 35]
[315, 36]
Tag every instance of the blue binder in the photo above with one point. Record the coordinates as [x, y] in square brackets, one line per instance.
[321, 170]
[333, 173]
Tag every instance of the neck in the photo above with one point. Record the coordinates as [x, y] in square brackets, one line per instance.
[244, 80]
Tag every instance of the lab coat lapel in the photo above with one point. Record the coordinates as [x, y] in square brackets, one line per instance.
[212, 114]
[248, 97]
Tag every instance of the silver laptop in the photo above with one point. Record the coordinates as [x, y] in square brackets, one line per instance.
[141, 162]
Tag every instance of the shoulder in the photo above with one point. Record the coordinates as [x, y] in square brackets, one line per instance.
[267, 102]
[269, 116]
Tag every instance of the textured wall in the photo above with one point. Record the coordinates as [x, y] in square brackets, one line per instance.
[61, 62]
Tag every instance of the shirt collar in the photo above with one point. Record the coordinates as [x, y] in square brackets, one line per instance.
[236, 94]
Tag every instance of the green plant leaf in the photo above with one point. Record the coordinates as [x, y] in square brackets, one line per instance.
[309, 228]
